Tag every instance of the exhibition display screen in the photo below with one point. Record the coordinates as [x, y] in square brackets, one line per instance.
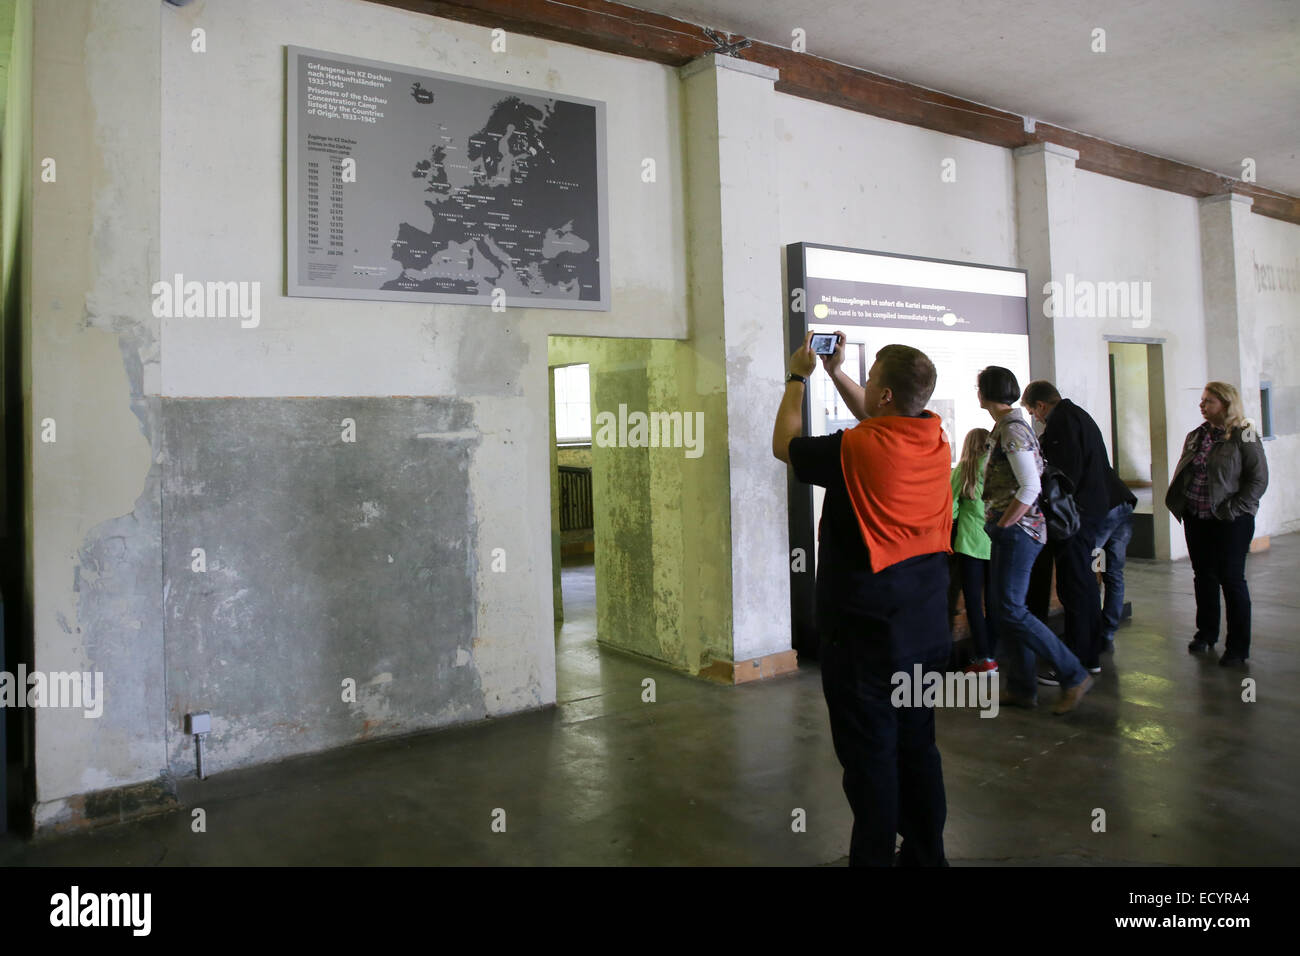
[964, 317]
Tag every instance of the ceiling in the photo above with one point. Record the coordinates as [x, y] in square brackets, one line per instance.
[1203, 82]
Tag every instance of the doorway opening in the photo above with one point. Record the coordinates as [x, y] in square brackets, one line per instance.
[640, 545]
[573, 541]
[1139, 451]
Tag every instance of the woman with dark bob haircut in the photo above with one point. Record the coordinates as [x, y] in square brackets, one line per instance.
[1017, 531]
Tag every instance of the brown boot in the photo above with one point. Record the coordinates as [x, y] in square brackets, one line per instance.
[1070, 697]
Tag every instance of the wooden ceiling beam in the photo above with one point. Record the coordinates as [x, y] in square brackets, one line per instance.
[627, 31]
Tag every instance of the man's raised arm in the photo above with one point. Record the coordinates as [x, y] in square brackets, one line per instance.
[854, 395]
[789, 417]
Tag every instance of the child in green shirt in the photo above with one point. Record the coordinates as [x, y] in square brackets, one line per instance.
[970, 545]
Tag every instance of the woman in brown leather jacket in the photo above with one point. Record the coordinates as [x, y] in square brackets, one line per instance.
[1215, 492]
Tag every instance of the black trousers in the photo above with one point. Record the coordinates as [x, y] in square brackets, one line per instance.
[1076, 586]
[1218, 550]
[970, 577]
[893, 776]
[1039, 596]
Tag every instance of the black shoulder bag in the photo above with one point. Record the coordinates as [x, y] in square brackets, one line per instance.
[1056, 501]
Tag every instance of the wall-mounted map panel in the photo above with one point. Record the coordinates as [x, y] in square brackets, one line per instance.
[422, 187]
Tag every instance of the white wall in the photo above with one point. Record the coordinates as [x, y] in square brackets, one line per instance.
[1125, 232]
[1277, 327]
[848, 179]
[223, 207]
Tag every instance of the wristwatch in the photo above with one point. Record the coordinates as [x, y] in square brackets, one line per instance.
[796, 378]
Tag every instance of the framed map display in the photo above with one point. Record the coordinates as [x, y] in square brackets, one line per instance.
[414, 186]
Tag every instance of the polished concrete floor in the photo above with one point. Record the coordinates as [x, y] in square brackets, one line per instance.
[1186, 772]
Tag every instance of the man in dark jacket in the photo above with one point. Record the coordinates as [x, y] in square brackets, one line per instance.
[1072, 442]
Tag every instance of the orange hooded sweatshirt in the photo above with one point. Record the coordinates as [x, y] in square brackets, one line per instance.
[898, 470]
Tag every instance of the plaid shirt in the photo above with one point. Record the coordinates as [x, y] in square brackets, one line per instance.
[1198, 486]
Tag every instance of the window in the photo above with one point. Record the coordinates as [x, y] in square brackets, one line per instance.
[573, 404]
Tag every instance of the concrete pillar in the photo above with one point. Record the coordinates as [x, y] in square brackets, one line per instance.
[732, 222]
[1228, 290]
[1066, 350]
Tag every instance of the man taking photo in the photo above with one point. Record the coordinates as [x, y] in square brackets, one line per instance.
[882, 581]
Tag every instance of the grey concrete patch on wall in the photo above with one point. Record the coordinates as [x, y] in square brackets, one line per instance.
[326, 560]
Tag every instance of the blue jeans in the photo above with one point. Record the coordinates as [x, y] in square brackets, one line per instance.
[1023, 636]
[1113, 537]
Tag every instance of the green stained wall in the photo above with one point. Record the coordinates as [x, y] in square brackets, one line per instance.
[663, 569]
[15, 201]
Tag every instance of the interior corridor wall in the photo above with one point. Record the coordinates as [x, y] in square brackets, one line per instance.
[373, 560]
[859, 181]
[1127, 233]
[848, 179]
[1275, 269]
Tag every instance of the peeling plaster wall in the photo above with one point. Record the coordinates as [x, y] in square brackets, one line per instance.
[92, 349]
[171, 161]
